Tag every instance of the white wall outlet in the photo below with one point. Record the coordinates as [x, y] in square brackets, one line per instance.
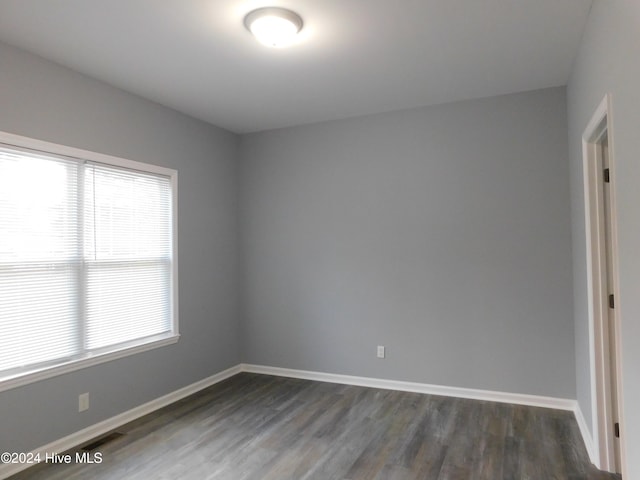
[83, 402]
[380, 351]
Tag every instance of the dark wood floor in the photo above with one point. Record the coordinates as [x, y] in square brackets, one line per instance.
[269, 428]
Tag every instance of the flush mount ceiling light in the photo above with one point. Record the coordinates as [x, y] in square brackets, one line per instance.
[273, 26]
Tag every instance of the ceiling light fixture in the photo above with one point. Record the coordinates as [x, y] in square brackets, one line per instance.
[273, 26]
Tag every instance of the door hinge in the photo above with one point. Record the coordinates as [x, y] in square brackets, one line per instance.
[616, 428]
[606, 175]
[612, 302]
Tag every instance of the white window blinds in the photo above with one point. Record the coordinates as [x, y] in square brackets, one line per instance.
[86, 259]
[38, 259]
[127, 226]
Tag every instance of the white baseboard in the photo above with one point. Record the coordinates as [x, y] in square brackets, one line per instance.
[98, 429]
[474, 394]
[586, 435]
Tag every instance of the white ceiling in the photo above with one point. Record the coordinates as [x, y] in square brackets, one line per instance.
[354, 57]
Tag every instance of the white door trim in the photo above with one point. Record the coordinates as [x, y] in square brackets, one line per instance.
[600, 369]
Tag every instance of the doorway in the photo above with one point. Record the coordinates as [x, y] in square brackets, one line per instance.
[604, 331]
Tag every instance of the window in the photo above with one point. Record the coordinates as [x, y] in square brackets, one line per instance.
[87, 258]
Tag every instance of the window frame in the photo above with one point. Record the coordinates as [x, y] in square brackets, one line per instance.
[107, 354]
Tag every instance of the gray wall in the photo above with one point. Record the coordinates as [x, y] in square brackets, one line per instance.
[42, 100]
[442, 233]
[608, 63]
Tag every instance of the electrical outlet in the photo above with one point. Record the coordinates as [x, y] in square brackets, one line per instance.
[83, 402]
[380, 351]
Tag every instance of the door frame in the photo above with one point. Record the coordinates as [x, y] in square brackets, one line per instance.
[600, 356]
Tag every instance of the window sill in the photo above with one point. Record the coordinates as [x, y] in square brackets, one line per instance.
[7, 383]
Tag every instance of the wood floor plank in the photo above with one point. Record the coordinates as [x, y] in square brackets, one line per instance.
[259, 427]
